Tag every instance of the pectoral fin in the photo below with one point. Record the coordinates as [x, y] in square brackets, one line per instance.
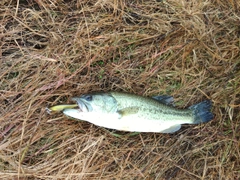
[172, 129]
[128, 111]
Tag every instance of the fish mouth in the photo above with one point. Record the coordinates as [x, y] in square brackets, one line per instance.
[82, 105]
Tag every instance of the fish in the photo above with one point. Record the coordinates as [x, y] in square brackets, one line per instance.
[135, 113]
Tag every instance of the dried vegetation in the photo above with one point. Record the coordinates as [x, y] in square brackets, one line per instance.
[52, 50]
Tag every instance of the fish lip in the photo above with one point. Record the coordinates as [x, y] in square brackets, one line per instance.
[83, 106]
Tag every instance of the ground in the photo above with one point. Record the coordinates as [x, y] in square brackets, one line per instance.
[52, 50]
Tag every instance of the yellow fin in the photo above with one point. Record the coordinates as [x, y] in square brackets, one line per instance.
[62, 107]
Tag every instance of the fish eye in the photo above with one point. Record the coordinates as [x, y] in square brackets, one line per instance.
[88, 97]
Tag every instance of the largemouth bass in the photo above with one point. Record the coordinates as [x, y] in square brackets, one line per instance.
[128, 112]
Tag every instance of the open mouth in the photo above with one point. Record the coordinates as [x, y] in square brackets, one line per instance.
[82, 106]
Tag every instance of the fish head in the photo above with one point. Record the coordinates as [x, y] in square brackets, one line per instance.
[100, 102]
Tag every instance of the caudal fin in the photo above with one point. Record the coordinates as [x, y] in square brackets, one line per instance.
[202, 112]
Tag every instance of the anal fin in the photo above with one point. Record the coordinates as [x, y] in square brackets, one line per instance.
[172, 129]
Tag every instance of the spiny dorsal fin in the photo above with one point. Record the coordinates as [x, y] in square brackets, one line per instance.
[164, 99]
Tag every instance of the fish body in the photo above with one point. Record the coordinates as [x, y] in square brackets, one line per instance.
[128, 112]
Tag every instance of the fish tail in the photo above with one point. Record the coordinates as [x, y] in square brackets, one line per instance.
[202, 112]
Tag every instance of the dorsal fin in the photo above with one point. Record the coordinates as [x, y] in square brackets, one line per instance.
[164, 99]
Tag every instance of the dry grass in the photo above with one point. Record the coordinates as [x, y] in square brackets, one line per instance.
[52, 50]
